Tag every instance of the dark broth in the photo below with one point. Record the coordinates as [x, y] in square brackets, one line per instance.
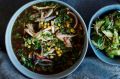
[59, 64]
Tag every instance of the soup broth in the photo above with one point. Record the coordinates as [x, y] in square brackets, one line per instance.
[47, 38]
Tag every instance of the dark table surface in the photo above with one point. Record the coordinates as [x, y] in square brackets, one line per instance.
[85, 7]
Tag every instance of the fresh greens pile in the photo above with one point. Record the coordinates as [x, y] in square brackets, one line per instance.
[106, 34]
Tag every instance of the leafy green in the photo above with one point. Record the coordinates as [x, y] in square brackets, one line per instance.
[32, 43]
[106, 34]
[61, 19]
[24, 59]
[37, 44]
[99, 43]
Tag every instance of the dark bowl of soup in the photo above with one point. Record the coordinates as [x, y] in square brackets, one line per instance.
[46, 39]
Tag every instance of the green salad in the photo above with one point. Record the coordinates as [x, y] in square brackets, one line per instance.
[106, 34]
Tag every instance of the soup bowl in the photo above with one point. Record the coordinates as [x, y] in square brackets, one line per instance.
[101, 54]
[23, 69]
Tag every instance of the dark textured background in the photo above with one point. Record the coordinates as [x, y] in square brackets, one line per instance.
[91, 68]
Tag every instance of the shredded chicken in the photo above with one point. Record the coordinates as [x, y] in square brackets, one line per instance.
[43, 8]
[52, 26]
[45, 17]
[47, 29]
[67, 42]
[53, 29]
[65, 38]
[30, 27]
[61, 36]
[49, 13]
[42, 14]
[41, 18]
[31, 33]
